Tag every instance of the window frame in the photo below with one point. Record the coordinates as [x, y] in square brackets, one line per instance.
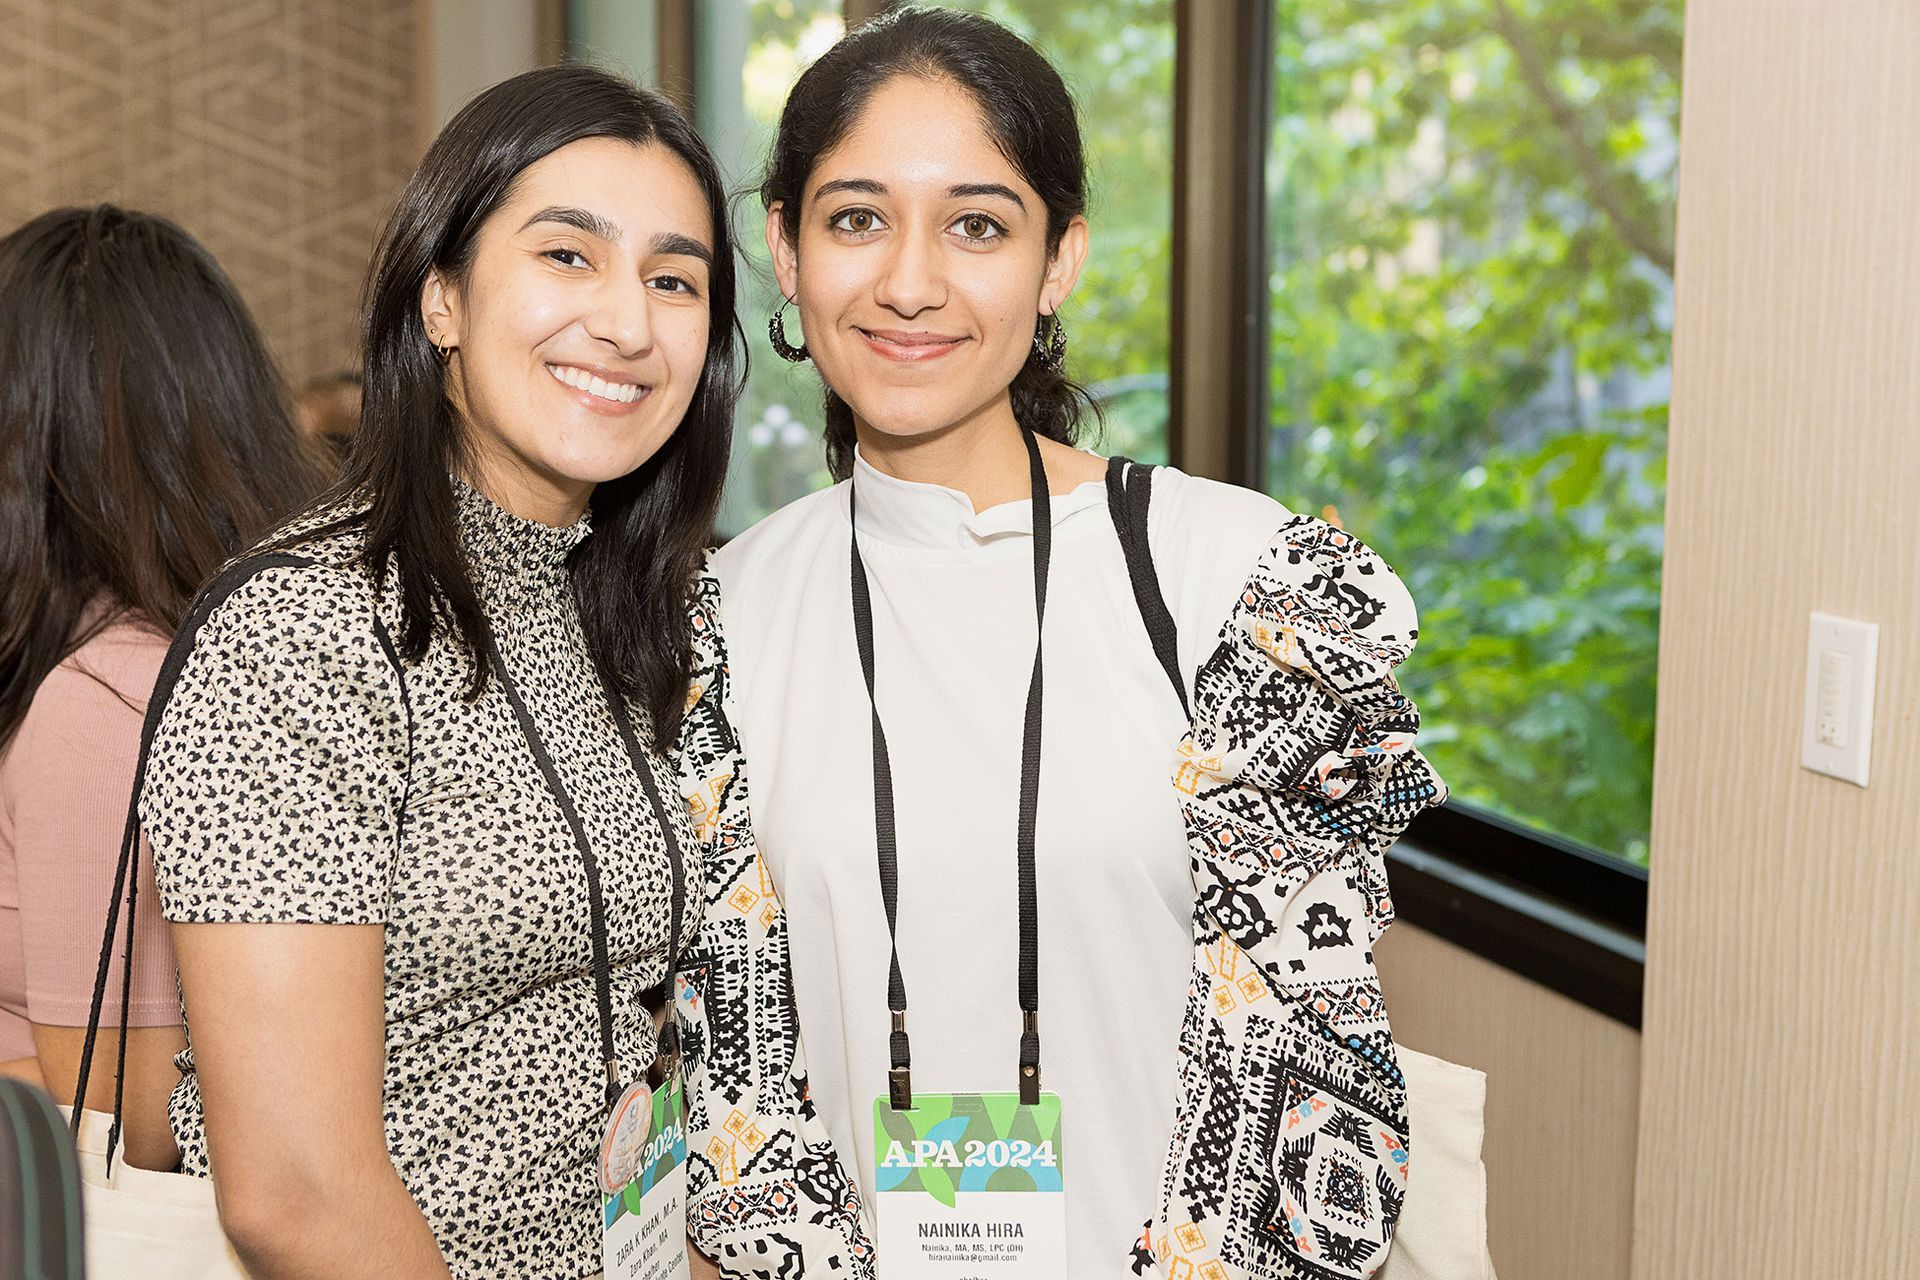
[1570, 918]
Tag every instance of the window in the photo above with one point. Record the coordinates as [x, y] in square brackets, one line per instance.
[618, 36]
[1471, 229]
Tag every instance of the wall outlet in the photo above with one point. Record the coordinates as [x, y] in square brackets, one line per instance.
[1837, 736]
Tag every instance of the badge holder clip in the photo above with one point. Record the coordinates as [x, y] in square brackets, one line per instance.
[900, 1076]
[1029, 1057]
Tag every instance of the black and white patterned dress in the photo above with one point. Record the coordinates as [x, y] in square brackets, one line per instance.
[295, 778]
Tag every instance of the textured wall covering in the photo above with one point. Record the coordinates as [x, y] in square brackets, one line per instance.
[1563, 1083]
[1780, 1099]
[277, 131]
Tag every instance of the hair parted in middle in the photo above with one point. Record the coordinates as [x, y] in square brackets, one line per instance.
[633, 578]
[1025, 108]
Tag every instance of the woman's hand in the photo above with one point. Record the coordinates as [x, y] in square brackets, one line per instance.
[289, 1042]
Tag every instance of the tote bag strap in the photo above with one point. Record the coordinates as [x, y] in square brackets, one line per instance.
[125, 882]
[1129, 494]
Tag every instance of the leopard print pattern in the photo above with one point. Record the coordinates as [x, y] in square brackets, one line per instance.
[297, 777]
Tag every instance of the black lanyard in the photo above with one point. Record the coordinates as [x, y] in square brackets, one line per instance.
[900, 1077]
[596, 904]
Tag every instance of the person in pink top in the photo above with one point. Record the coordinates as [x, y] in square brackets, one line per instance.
[145, 438]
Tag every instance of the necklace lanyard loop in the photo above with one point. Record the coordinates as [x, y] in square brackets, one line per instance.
[900, 1073]
[590, 863]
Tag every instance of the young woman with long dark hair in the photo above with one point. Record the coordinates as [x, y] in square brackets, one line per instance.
[144, 439]
[1129, 879]
[412, 800]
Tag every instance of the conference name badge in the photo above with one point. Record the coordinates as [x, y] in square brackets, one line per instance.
[970, 1185]
[644, 1159]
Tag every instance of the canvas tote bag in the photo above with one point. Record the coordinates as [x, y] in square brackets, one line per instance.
[1443, 1225]
[146, 1225]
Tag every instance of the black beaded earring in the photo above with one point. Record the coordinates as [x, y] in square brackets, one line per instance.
[777, 335]
[1050, 346]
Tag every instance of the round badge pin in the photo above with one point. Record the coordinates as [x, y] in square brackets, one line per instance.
[626, 1135]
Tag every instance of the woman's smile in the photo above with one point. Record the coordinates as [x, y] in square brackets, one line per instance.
[599, 388]
[909, 346]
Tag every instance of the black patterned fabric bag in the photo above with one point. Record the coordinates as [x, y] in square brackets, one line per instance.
[1290, 1152]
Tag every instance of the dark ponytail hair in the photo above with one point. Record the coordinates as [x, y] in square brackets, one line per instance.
[632, 580]
[144, 434]
[1025, 108]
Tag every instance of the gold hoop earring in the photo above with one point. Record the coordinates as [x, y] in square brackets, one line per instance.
[444, 352]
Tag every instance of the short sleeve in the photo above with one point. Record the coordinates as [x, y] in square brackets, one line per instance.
[275, 780]
[67, 780]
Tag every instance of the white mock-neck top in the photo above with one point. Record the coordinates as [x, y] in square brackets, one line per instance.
[954, 634]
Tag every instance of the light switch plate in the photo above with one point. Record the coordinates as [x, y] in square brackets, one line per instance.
[1836, 735]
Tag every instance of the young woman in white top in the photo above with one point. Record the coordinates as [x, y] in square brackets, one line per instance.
[1205, 850]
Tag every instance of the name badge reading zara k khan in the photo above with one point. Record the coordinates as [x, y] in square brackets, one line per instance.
[643, 1233]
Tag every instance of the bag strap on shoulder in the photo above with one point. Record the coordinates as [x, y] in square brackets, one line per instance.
[125, 882]
[1129, 495]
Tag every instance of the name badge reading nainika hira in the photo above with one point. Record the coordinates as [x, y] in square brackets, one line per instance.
[971, 1186]
[644, 1224]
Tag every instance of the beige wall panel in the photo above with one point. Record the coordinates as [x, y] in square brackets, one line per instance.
[1562, 1086]
[278, 133]
[1780, 1109]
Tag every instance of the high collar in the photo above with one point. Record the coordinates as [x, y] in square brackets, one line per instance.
[503, 548]
[908, 513]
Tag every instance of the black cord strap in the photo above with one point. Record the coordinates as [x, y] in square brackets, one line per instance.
[596, 903]
[900, 1054]
[676, 858]
[125, 876]
[1030, 787]
[899, 1048]
[1129, 493]
[590, 862]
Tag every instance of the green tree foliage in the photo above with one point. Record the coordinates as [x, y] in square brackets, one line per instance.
[1472, 212]
[777, 430]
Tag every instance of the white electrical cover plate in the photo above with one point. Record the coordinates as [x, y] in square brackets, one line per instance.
[1836, 736]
